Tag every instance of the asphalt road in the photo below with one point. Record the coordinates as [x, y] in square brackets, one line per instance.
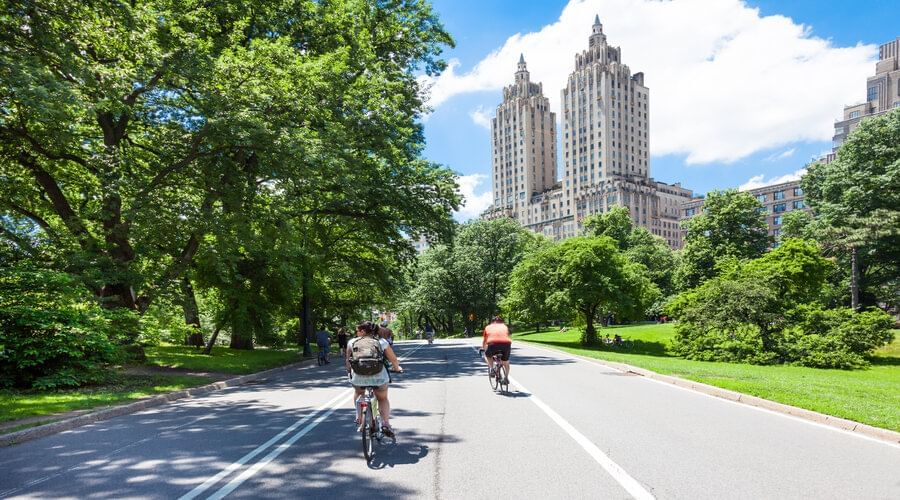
[568, 429]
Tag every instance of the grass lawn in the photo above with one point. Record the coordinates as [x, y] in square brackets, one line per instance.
[122, 388]
[222, 360]
[871, 396]
[15, 405]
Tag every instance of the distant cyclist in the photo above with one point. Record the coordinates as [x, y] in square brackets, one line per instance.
[497, 341]
[365, 361]
[429, 332]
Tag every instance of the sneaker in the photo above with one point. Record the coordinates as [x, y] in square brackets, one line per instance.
[387, 431]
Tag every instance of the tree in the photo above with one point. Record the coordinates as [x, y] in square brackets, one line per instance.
[857, 198]
[731, 226]
[592, 276]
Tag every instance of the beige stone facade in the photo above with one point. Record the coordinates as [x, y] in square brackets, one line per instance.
[882, 95]
[776, 200]
[523, 146]
[605, 144]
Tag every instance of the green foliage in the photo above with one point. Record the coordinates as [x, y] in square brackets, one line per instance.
[50, 336]
[730, 226]
[267, 152]
[587, 275]
[857, 201]
[767, 311]
[469, 277]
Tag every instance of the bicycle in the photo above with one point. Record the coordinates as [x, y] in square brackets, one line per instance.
[323, 356]
[497, 374]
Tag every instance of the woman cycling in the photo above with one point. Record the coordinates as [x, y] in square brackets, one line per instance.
[366, 333]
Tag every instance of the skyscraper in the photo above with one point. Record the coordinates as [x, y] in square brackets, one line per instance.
[606, 153]
[523, 145]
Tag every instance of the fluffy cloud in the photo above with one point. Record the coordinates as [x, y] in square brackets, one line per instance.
[724, 81]
[481, 117]
[474, 203]
[758, 181]
[780, 156]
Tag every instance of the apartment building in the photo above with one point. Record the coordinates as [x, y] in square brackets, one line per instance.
[882, 95]
[776, 200]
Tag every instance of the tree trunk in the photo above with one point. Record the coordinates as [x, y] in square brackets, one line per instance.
[589, 337]
[191, 313]
[854, 279]
[305, 326]
[212, 340]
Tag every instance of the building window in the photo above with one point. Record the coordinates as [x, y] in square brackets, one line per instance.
[798, 204]
[761, 198]
[872, 93]
[779, 207]
[778, 195]
[838, 130]
[798, 191]
[776, 220]
[776, 232]
[854, 114]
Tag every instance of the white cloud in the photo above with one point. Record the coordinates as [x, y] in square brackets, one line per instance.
[758, 181]
[724, 81]
[480, 117]
[780, 156]
[474, 204]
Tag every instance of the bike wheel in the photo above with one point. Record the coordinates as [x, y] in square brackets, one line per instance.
[504, 379]
[367, 436]
[493, 377]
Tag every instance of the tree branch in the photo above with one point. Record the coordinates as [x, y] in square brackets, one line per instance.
[37, 219]
[58, 201]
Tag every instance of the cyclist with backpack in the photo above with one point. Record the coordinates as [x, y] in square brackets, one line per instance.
[367, 354]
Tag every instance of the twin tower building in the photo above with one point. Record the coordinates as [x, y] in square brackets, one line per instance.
[605, 150]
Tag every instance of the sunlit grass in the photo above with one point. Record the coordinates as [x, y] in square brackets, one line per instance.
[871, 396]
[222, 359]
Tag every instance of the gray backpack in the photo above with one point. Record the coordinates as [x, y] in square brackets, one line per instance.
[366, 356]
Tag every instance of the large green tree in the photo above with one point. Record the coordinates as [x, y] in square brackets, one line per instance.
[857, 199]
[280, 139]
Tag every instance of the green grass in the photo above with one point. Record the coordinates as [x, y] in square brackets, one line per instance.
[122, 388]
[871, 396]
[222, 360]
[15, 405]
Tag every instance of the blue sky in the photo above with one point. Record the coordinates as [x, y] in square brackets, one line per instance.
[740, 91]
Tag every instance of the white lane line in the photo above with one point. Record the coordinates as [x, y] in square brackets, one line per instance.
[630, 484]
[330, 406]
[261, 448]
[247, 474]
[726, 400]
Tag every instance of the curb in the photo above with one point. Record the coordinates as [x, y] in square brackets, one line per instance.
[737, 397]
[125, 409]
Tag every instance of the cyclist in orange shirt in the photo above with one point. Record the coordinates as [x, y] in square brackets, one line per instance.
[497, 341]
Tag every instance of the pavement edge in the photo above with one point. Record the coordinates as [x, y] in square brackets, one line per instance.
[738, 397]
[40, 431]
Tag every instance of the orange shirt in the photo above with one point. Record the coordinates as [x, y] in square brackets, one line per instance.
[497, 333]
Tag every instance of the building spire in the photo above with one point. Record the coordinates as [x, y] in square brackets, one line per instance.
[597, 20]
[521, 66]
[521, 58]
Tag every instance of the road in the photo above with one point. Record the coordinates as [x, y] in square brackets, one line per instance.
[568, 429]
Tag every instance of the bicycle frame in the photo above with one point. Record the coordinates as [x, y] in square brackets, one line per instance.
[370, 421]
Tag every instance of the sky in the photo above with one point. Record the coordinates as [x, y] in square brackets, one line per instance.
[742, 93]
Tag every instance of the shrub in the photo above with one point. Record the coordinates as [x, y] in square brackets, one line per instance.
[51, 333]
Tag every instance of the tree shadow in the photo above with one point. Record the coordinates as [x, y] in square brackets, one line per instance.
[641, 347]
